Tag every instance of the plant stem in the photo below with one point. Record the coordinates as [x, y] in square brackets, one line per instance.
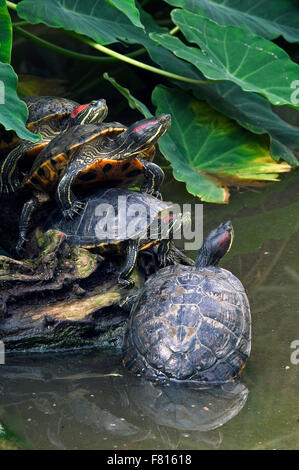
[139, 64]
[20, 23]
[107, 51]
[11, 5]
[59, 49]
[174, 30]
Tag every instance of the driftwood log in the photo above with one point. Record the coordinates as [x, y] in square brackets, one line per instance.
[61, 297]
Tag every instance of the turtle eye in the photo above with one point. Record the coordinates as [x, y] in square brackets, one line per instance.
[78, 110]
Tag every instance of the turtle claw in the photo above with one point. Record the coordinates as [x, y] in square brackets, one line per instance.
[157, 195]
[20, 245]
[126, 283]
[76, 208]
[151, 192]
[6, 189]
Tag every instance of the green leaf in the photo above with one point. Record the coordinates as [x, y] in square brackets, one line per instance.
[105, 25]
[134, 103]
[253, 112]
[229, 53]
[98, 20]
[129, 9]
[5, 33]
[255, 17]
[13, 111]
[208, 151]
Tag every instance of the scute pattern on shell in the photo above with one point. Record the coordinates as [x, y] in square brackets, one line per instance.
[189, 324]
[43, 106]
[82, 229]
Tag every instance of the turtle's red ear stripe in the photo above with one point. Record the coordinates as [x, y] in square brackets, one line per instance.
[78, 110]
[142, 126]
[222, 241]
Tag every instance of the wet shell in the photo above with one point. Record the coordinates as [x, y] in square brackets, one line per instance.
[189, 324]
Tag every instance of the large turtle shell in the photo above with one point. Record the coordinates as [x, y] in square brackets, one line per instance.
[83, 229]
[45, 107]
[52, 161]
[40, 110]
[189, 324]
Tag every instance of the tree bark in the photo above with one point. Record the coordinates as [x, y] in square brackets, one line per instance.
[63, 297]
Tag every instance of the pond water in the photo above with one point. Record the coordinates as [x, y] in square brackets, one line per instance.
[86, 400]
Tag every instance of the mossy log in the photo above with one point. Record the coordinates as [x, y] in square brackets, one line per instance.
[63, 297]
[66, 297]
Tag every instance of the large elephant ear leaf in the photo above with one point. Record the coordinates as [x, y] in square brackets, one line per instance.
[229, 53]
[13, 111]
[99, 20]
[210, 152]
[5, 33]
[255, 17]
[128, 7]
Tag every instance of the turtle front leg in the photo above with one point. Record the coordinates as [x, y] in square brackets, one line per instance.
[153, 178]
[132, 252]
[163, 253]
[127, 303]
[24, 223]
[68, 203]
[9, 172]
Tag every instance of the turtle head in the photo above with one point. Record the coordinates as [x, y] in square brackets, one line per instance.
[215, 245]
[167, 225]
[90, 113]
[142, 135]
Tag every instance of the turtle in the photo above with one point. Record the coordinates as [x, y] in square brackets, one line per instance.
[93, 155]
[39, 107]
[190, 324]
[118, 221]
[48, 116]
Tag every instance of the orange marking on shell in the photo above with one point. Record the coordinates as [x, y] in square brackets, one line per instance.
[149, 244]
[115, 171]
[36, 149]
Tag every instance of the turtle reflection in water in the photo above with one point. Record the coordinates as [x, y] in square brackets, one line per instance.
[190, 323]
[98, 404]
[189, 409]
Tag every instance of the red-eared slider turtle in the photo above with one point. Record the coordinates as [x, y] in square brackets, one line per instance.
[191, 323]
[122, 222]
[39, 108]
[48, 116]
[107, 153]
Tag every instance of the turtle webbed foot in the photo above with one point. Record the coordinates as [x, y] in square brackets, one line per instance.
[126, 283]
[7, 189]
[20, 245]
[157, 195]
[74, 210]
[153, 193]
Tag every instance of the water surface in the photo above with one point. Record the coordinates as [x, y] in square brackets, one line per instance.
[87, 400]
